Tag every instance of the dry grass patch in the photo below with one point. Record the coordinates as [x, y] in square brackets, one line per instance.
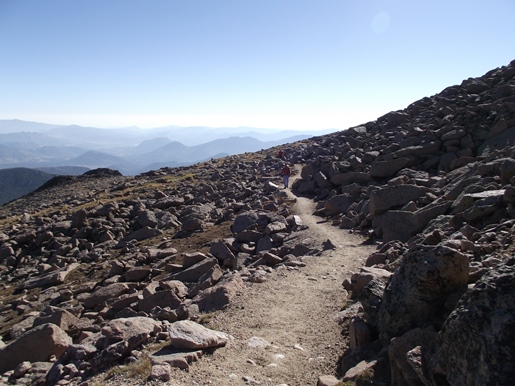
[138, 370]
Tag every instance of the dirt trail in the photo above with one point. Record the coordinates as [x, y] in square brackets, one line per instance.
[294, 312]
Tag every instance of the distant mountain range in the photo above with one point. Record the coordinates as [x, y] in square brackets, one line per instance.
[130, 150]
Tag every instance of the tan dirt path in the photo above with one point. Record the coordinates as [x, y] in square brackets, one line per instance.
[294, 311]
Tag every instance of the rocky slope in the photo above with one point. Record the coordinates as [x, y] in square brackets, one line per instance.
[435, 182]
[93, 268]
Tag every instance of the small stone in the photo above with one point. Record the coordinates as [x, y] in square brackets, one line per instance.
[161, 372]
[250, 381]
[22, 369]
[255, 342]
[233, 377]
[278, 357]
[327, 380]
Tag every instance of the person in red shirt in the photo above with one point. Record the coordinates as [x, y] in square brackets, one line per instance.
[286, 175]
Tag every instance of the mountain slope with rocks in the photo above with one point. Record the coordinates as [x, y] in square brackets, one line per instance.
[16, 182]
[129, 150]
[389, 263]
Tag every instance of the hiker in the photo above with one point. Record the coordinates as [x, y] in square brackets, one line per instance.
[280, 154]
[286, 175]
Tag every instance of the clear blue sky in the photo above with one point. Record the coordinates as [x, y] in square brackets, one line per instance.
[265, 63]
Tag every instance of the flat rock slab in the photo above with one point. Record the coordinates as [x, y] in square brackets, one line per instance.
[186, 334]
[124, 328]
[175, 357]
[49, 279]
[102, 294]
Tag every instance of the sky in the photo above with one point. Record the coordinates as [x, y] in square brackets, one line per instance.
[284, 64]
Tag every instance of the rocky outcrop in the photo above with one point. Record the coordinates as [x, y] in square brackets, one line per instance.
[417, 292]
[439, 198]
[482, 322]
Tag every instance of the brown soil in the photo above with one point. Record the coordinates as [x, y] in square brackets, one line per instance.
[294, 311]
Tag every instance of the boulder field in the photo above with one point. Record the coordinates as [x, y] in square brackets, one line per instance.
[435, 184]
[96, 268]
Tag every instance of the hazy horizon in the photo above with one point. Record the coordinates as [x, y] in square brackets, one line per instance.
[4, 122]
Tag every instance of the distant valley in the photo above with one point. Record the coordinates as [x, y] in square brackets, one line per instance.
[31, 153]
[129, 150]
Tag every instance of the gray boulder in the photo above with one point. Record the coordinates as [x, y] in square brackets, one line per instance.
[190, 259]
[244, 220]
[143, 234]
[321, 180]
[192, 274]
[361, 279]
[165, 298]
[220, 295]
[147, 218]
[475, 345]
[370, 299]
[36, 345]
[186, 334]
[178, 287]
[62, 318]
[418, 290]
[402, 371]
[124, 328]
[402, 225]
[137, 274]
[49, 279]
[221, 250]
[384, 169]
[209, 279]
[249, 236]
[103, 294]
[350, 178]
[340, 203]
[389, 197]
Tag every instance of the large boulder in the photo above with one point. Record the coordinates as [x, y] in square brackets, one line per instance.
[244, 221]
[164, 298]
[389, 197]
[121, 329]
[143, 234]
[340, 203]
[36, 345]
[48, 279]
[383, 169]
[402, 225]
[360, 280]
[193, 273]
[103, 294]
[186, 334]
[418, 290]
[350, 178]
[403, 373]
[475, 345]
[62, 318]
[220, 295]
